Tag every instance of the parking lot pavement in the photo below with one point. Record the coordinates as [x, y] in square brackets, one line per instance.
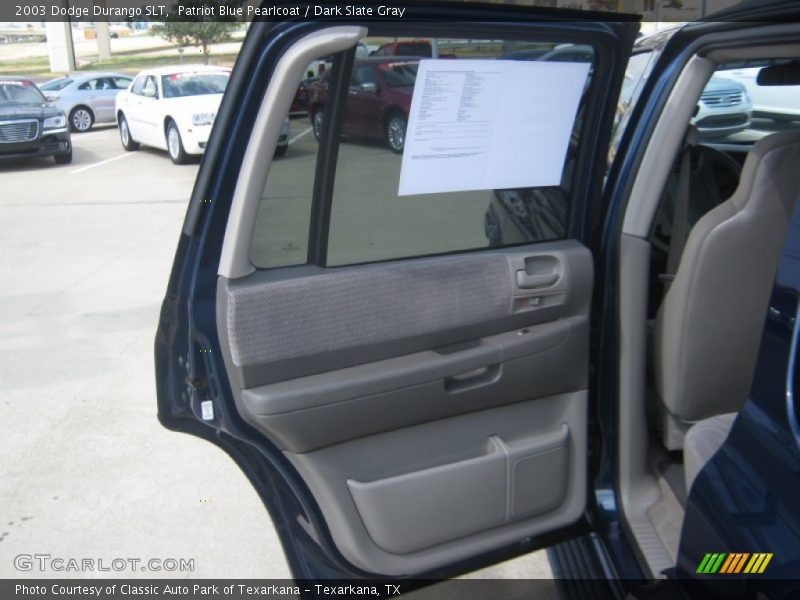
[87, 471]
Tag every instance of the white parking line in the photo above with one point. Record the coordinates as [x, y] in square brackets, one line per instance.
[301, 134]
[101, 163]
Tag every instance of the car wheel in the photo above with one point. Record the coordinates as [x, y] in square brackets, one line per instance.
[63, 159]
[316, 122]
[81, 119]
[175, 144]
[125, 135]
[396, 132]
[281, 151]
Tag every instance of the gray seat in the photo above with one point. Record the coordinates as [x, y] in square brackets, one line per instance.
[708, 328]
[701, 443]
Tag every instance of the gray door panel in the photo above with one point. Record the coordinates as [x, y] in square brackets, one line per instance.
[424, 386]
[420, 497]
[435, 407]
[285, 323]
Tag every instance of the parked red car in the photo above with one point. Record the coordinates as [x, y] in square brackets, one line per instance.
[405, 48]
[300, 100]
[377, 103]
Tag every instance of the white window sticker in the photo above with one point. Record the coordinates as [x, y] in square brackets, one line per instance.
[489, 124]
[207, 410]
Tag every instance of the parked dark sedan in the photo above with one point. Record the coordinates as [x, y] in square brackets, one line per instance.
[29, 126]
[378, 100]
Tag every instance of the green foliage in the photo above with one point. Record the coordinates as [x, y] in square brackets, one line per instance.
[196, 33]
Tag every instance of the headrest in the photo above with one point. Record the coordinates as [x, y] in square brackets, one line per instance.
[786, 74]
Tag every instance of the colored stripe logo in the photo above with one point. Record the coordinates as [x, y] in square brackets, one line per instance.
[734, 563]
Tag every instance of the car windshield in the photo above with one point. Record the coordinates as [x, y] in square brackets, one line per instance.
[20, 92]
[400, 73]
[56, 84]
[639, 67]
[194, 84]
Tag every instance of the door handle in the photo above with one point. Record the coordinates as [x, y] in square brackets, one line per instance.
[526, 281]
[472, 379]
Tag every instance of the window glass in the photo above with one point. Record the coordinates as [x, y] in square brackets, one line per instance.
[734, 108]
[370, 221]
[364, 74]
[284, 214]
[150, 86]
[636, 73]
[281, 231]
[121, 83]
[194, 84]
[19, 92]
[398, 74]
[138, 85]
[92, 84]
[413, 49]
[56, 84]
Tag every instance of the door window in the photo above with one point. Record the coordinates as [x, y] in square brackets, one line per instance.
[120, 83]
[735, 109]
[89, 85]
[55, 84]
[364, 74]
[101, 83]
[636, 73]
[150, 87]
[138, 85]
[370, 221]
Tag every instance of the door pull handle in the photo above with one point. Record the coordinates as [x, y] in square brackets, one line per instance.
[526, 281]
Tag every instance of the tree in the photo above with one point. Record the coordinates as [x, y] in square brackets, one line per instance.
[195, 33]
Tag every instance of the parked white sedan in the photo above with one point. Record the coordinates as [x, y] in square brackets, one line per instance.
[171, 108]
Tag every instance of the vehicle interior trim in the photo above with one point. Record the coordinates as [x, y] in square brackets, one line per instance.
[639, 489]
[235, 256]
[664, 142]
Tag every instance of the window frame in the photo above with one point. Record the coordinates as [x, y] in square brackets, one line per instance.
[580, 217]
[90, 85]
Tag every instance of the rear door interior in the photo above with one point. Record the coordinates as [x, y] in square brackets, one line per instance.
[420, 362]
